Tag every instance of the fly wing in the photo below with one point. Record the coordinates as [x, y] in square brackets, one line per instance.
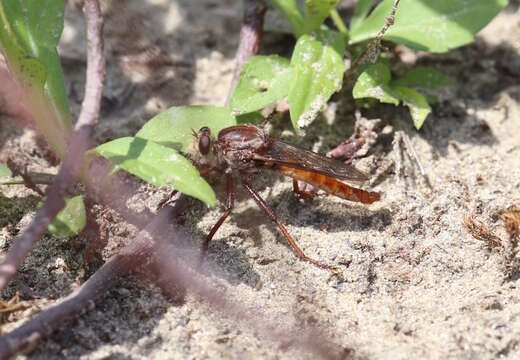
[280, 152]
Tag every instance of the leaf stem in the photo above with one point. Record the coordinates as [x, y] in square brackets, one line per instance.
[338, 21]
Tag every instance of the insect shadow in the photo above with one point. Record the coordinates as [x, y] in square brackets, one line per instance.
[317, 213]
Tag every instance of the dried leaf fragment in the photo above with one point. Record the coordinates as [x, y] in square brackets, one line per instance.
[480, 232]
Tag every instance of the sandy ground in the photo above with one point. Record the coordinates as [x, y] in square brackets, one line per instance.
[414, 282]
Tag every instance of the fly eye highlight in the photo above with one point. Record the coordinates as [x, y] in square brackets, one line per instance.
[204, 140]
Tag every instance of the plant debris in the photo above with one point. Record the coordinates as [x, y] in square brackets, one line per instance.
[10, 306]
[479, 231]
[511, 220]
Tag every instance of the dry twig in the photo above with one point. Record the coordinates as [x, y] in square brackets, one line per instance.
[373, 49]
[135, 254]
[250, 37]
[363, 134]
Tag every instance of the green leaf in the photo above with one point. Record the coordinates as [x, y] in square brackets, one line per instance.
[434, 25]
[425, 77]
[290, 11]
[71, 220]
[157, 165]
[316, 11]
[4, 171]
[318, 69]
[250, 118]
[37, 26]
[263, 80]
[416, 103]
[29, 33]
[174, 127]
[360, 13]
[373, 82]
[426, 80]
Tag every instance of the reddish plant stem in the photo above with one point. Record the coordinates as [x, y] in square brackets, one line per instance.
[347, 150]
[133, 255]
[155, 245]
[250, 37]
[78, 144]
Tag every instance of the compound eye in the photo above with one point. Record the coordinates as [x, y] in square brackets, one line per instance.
[204, 144]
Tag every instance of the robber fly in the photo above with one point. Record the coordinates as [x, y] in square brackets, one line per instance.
[248, 149]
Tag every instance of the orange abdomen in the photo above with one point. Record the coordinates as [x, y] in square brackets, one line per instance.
[330, 185]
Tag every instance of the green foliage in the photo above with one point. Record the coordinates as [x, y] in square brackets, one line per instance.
[314, 73]
[29, 33]
[174, 127]
[375, 82]
[427, 81]
[360, 13]
[434, 25]
[316, 11]
[71, 220]
[416, 103]
[250, 118]
[263, 80]
[153, 154]
[318, 69]
[157, 164]
[290, 10]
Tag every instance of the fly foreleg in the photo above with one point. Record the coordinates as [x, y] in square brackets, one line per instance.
[229, 206]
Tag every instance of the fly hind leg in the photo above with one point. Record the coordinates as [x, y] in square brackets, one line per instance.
[263, 205]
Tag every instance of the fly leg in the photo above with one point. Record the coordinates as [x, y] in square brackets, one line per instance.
[306, 191]
[229, 206]
[282, 228]
[167, 200]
